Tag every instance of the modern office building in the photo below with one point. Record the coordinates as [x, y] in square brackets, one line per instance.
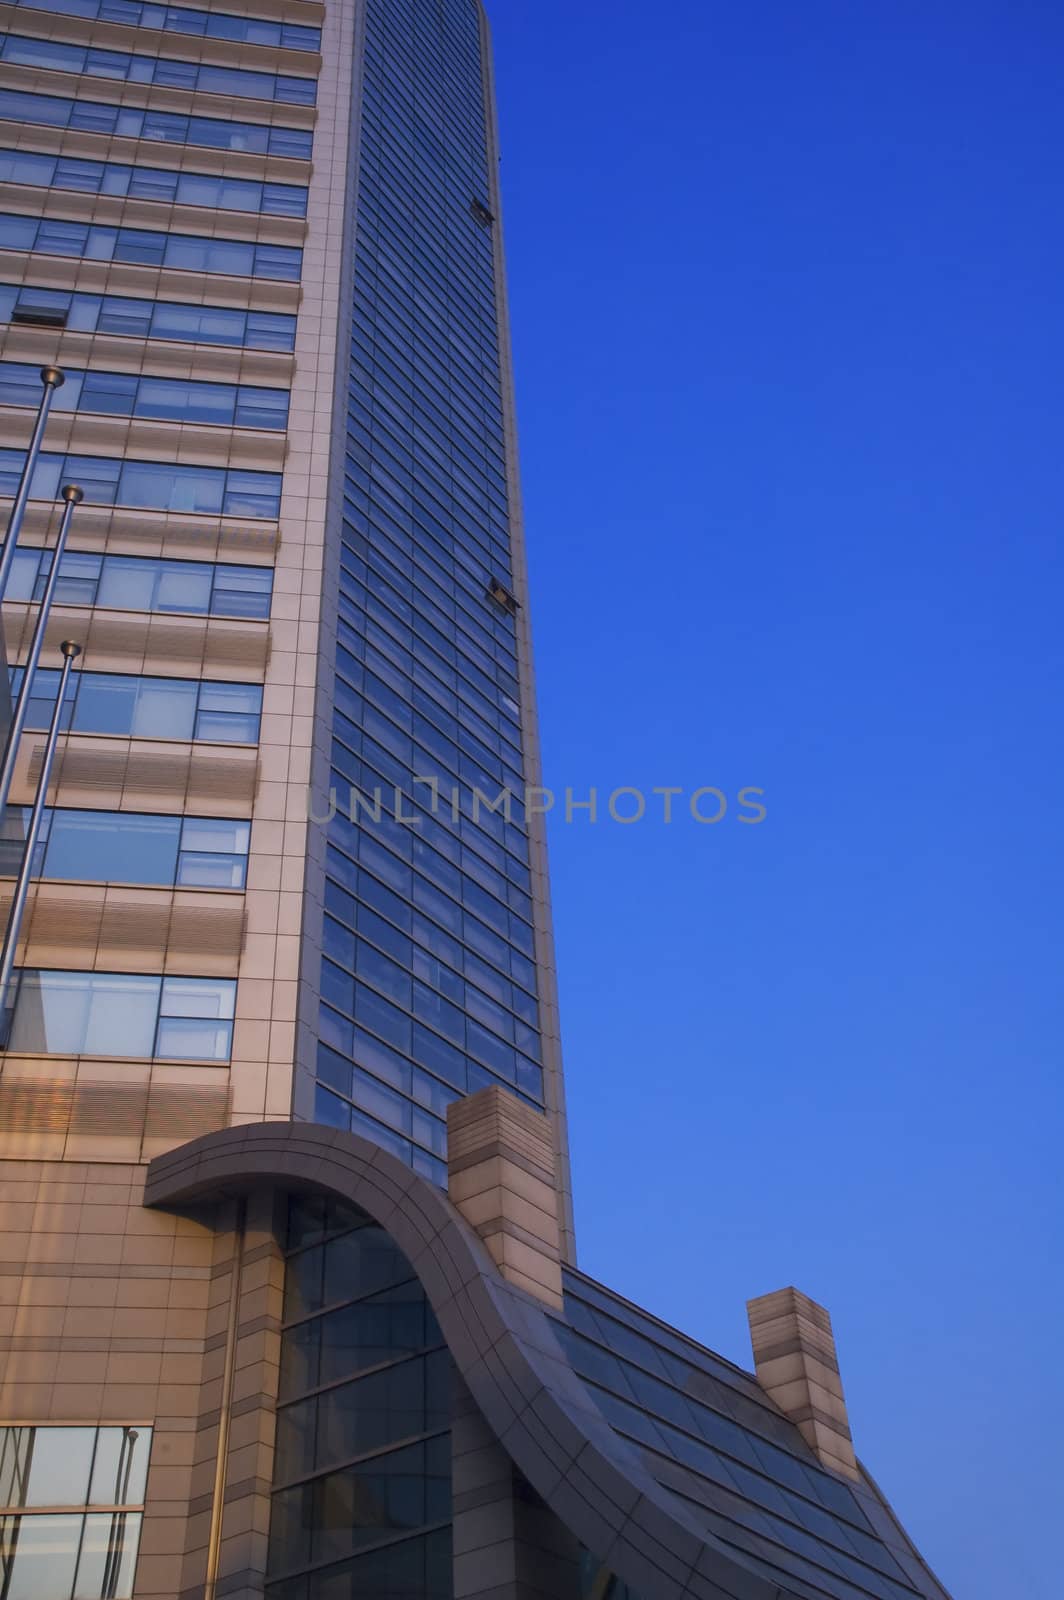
[288, 1296]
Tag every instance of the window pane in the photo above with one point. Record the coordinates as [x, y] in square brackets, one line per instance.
[191, 402]
[165, 709]
[198, 997]
[120, 1470]
[108, 1557]
[199, 870]
[216, 833]
[255, 408]
[129, 317]
[38, 1556]
[59, 1461]
[193, 1039]
[111, 392]
[242, 591]
[75, 1013]
[166, 488]
[127, 583]
[183, 586]
[113, 847]
[121, 1014]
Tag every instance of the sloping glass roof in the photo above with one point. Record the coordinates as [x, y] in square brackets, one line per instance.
[709, 1435]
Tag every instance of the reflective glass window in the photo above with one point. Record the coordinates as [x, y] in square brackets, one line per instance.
[123, 1014]
[83, 1013]
[118, 847]
[64, 1555]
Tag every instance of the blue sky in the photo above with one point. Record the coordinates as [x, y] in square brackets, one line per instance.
[787, 319]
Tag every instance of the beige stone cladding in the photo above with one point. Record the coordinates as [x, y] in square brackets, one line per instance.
[110, 1313]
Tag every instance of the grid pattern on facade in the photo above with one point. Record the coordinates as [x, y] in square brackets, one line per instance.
[706, 1432]
[363, 1463]
[428, 981]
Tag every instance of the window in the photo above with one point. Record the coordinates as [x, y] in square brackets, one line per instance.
[131, 847]
[166, 127]
[186, 19]
[154, 485]
[152, 183]
[71, 1555]
[144, 583]
[22, 51]
[123, 1014]
[151, 248]
[371, 1445]
[148, 708]
[148, 319]
[170, 399]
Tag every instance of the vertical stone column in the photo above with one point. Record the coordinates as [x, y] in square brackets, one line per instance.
[501, 1175]
[225, 1557]
[796, 1365]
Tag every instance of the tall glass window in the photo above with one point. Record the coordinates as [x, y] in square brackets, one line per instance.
[72, 1554]
[363, 1466]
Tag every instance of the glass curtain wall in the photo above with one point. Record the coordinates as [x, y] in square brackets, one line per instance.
[428, 981]
[363, 1467]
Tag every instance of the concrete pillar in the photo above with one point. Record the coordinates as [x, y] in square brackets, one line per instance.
[796, 1365]
[225, 1555]
[501, 1175]
[507, 1544]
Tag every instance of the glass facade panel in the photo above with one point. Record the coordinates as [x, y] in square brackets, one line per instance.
[130, 847]
[428, 980]
[122, 1014]
[363, 1464]
[64, 1554]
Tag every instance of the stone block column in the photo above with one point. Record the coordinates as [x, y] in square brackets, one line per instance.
[501, 1175]
[796, 1365]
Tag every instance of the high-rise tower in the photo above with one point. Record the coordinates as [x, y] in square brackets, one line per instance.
[288, 1305]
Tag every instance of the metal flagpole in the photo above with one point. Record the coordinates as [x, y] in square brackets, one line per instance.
[52, 378]
[73, 496]
[70, 652]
